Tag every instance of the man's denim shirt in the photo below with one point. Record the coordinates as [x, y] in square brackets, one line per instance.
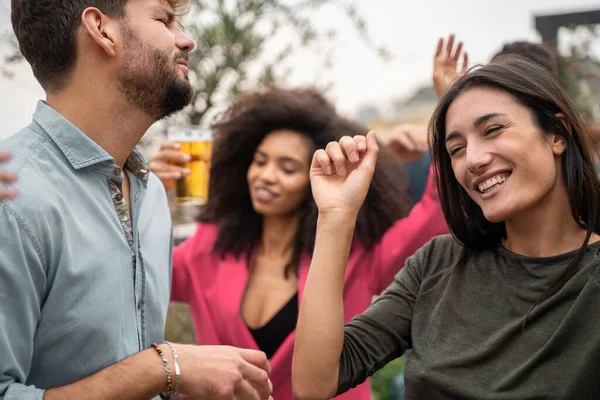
[81, 285]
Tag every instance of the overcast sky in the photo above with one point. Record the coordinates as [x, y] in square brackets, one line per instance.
[409, 29]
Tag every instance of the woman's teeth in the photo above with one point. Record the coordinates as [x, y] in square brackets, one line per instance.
[492, 184]
[264, 195]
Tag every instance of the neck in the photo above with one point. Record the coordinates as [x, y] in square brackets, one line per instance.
[546, 231]
[102, 114]
[279, 235]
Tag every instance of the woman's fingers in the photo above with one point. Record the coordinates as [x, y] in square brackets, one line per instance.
[350, 148]
[361, 143]
[336, 155]
[340, 155]
[321, 159]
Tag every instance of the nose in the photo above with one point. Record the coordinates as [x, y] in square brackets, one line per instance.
[184, 41]
[477, 157]
[268, 173]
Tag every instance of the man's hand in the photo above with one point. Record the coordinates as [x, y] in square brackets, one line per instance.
[224, 373]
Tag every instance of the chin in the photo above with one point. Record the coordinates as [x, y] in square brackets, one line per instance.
[261, 209]
[495, 216]
[269, 211]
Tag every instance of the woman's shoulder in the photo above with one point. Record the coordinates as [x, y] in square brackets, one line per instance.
[203, 239]
[445, 244]
[207, 228]
[439, 253]
[207, 233]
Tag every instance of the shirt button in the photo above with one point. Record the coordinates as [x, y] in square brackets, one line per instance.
[139, 305]
[119, 197]
[137, 196]
[117, 171]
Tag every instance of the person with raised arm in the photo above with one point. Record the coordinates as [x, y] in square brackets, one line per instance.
[243, 271]
[497, 309]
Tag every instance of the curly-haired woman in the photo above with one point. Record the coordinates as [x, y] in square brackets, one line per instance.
[243, 272]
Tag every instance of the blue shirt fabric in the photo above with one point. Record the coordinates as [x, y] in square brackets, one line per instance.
[418, 171]
[81, 285]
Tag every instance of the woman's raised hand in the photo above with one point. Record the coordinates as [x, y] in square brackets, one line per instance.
[341, 174]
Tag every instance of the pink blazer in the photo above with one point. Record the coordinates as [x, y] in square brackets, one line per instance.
[213, 287]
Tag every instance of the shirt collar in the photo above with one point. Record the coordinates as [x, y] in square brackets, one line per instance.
[78, 148]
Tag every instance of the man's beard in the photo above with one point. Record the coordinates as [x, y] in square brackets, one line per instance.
[150, 81]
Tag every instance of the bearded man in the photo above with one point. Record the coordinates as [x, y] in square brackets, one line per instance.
[85, 249]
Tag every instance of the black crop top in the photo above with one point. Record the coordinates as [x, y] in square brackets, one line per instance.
[270, 336]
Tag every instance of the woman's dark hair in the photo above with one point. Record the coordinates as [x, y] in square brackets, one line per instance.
[534, 87]
[239, 132]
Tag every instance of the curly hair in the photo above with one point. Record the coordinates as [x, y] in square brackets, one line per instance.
[238, 133]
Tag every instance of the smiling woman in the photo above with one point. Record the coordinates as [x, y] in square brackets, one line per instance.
[278, 174]
[244, 270]
[488, 149]
[528, 134]
[506, 307]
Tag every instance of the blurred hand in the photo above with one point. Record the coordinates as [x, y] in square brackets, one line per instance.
[408, 142]
[224, 373]
[167, 164]
[6, 179]
[341, 174]
[445, 65]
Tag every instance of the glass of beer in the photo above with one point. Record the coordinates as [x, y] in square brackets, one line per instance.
[192, 190]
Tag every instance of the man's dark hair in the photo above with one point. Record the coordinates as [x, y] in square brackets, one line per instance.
[45, 30]
[532, 51]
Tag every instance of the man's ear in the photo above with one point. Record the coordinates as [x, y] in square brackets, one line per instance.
[100, 29]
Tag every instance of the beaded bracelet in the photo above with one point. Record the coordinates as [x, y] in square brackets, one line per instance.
[166, 395]
[176, 362]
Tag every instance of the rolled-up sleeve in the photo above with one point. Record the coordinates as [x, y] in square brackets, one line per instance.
[22, 288]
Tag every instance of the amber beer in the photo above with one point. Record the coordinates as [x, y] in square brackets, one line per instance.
[193, 189]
